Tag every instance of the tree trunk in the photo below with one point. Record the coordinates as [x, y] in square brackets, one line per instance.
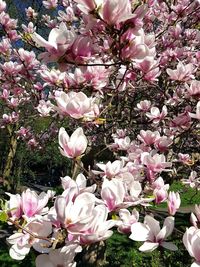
[10, 158]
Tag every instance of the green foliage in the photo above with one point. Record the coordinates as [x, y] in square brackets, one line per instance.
[188, 195]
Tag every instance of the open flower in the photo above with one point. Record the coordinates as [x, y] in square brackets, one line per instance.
[150, 232]
[182, 72]
[33, 204]
[59, 257]
[191, 240]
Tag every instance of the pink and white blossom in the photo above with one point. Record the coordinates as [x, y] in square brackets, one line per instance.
[73, 146]
[152, 234]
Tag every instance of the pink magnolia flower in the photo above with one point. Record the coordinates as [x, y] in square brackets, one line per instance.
[155, 162]
[116, 11]
[163, 143]
[22, 242]
[33, 204]
[150, 232]
[60, 39]
[197, 115]
[184, 158]
[14, 206]
[136, 49]
[59, 257]
[76, 105]
[182, 72]
[87, 6]
[82, 48]
[144, 105]
[160, 195]
[2, 5]
[49, 4]
[127, 219]
[79, 186]
[44, 108]
[194, 89]
[110, 169]
[148, 137]
[195, 217]
[121, 143]
[113, 193]
[193, 181]
[191, 240]
[30, 13]
[74, 146]
[75, 215]
[96, 76]
[155, 115]
[98, 228]
[174, 202]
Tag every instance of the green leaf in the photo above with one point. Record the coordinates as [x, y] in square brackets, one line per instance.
[3, 216]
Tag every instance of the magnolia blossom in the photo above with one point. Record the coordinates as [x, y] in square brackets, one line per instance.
[144, 105]
[193, 181]
[14, 206]
[76, 105]
[33, 204]
[59, 257]
[79, 186]
[127, 219]
[60, 39]
[136, 49]
[116, 11]
[74, 146]
[44, 108]
[148, 137]
[22, 242]
[110, 169]
[195, 217]
[50, 4]
[182, 72]
[98, 228]
[155, 115]
[155, 162]
[150, 232]
[191, 240]
[173, 203]
[88, 5]
[194, 89]
[75, 215]
[113, 193]
[2, 5]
